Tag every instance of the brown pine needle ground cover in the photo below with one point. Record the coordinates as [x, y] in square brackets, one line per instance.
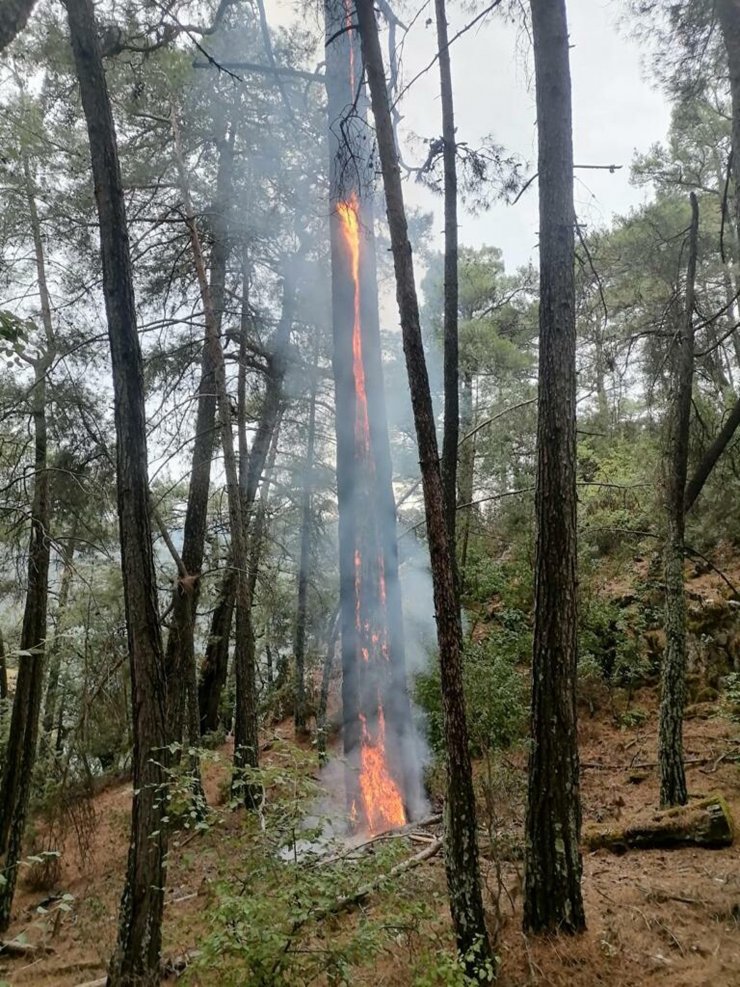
[654, 917]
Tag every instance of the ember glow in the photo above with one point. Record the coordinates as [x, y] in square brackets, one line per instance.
[382, 804]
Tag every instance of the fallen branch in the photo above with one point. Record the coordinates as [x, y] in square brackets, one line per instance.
[12, 947]
[711, 759]
[364, 892]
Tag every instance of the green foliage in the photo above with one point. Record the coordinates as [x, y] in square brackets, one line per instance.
[610, 641]
[495, 695]
[273, 915]
[731, 696]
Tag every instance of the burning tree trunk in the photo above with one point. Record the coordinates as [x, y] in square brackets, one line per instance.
[382, 780]
[461, 848]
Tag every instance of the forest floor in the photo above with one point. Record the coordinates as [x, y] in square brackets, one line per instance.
[654, 917]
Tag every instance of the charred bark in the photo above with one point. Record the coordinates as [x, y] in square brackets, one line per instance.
[136, 958]
[673, 671]
[461, 849]
[552, 894]
[367, 510]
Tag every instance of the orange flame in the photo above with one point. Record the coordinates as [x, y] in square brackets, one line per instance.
[382, 803]
[380, 795]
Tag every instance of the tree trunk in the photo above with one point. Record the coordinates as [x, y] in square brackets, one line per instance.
[20, 752]
[180, 653]
[552, 894]
[304, 564]
[216, 662]
[3, 674]
[326, 671]
[136, 958]
[451, 432]
[246, 747]
[13, 17]
[709, 460]
[461, 849]
[673, 671]
[55, 651]
[466, 472]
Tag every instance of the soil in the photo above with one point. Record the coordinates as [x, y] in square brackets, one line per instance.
[654, 917]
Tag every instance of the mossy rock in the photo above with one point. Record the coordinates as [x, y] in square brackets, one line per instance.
[707, 823]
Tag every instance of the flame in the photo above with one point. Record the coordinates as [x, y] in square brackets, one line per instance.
[382, 803]
[380, 795]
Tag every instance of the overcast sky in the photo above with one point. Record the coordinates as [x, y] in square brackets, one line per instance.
[616, 110]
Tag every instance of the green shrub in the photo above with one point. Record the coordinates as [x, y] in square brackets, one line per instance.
[495, 696]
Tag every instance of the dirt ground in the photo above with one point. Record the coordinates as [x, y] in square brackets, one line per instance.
[654, 917]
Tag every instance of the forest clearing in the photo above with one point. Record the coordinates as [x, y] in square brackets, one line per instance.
[369, 493]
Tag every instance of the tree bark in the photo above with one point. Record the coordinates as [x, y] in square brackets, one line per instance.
[552, 891]
[55, 651]
[673, 671]
[304, 563]
[14, 15]
[180, 653]
[451, 430]
[3, 673]
[20, 752]
[461, 849]
[709, 460]
[136, 957]
[216, 662]
[246, 746]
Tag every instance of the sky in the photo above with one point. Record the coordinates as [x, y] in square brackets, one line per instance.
[616, 110]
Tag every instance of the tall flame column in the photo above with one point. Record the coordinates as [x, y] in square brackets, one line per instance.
[382, 777]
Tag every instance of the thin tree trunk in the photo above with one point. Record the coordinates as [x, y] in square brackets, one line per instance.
[180, 653]
[246, 747]
[136, 958]
[709, 460]
[552, 892]
[673, 671]
[304, 563]
[55, 651]
[216, 662]
[466, 472]
[461, 849]
[451, 431]
[326, 671]
[20, 752]
[3, 674]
